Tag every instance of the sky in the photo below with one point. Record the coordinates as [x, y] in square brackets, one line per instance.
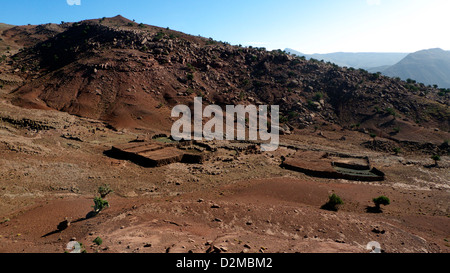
[308, 26]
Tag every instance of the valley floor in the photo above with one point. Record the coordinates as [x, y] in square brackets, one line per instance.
[51, 165]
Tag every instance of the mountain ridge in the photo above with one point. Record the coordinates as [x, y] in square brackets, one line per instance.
[430, 66]
[364, 60]
[130, 75]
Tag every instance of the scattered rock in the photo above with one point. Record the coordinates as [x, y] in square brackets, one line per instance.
[377, 230]
[213, 249]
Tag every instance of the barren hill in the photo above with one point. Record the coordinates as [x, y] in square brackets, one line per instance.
[131, 74]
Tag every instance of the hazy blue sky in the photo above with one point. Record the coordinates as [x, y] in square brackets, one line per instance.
[309, 26]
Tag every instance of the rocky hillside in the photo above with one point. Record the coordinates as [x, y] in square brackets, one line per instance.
[130, 75]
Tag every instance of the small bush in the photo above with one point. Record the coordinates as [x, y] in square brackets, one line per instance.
[104, 190]
[333, 203]
[190, 67]
[283, 119]
[159, 36]
[311, 105]
[98, 241]
[381, 200]
[390, 111]
[436, 158]
[318, 96]
[100, 204]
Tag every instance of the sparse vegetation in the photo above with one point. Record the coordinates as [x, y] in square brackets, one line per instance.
[159, 36]
[436, 159]
[311, 105]
[241, 95]
[104, 190]
[100, 204]
[98, 241]
[283, 119]
[190, 67]
[390, 111]
[318, 96]
[211, 41]
[381, 200]
[190, 76]
[333, 203]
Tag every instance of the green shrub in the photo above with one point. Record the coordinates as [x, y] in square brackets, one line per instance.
[390, 111]
[100, 204]
[190, 67]
[318, 96]
[98, 241]
[311, 105]
[159, 36]
[436, 158]
[381, 200]
[241, 95]
[283, 119]
[104, 190]
[333, 203]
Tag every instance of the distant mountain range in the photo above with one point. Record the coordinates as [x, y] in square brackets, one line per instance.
[365, 60]
[427, 66]
[430, 66]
